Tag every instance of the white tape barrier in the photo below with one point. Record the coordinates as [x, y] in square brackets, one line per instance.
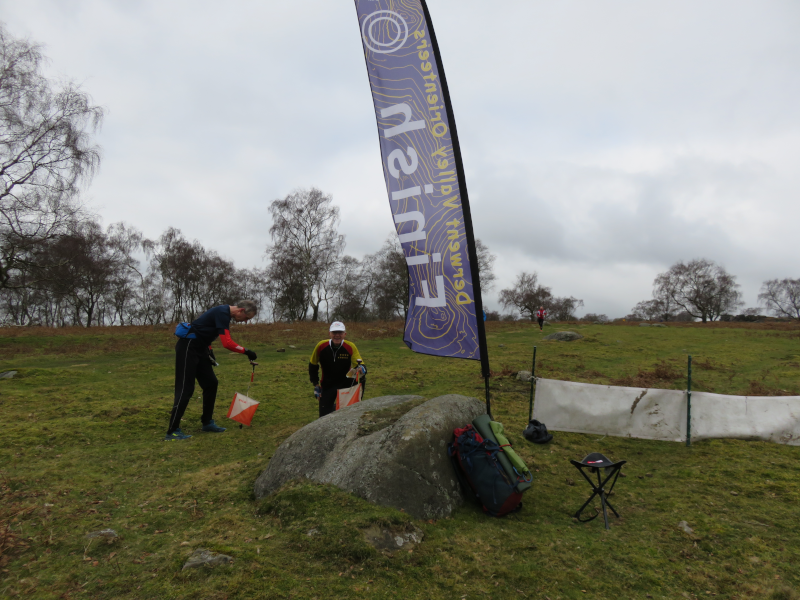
[661, 414]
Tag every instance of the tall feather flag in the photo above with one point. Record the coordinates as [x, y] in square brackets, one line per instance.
[424, 180]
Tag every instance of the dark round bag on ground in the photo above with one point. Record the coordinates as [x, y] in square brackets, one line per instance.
[536, 432]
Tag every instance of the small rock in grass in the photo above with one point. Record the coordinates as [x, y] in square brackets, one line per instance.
[392, 538]
[524, 376]
[312, 532]
[648, 474]
[202, 557]
[281, 350]
[104, 533]
[290, 346]
[734, 493]
[7, 374]
[570, 481]
[564, 336]
[685, 527]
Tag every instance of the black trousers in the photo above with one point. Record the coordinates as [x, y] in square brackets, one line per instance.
[327, 401]
[192, 362]
[541, 322]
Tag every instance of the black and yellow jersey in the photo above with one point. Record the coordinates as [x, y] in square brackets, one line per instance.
[335, 363]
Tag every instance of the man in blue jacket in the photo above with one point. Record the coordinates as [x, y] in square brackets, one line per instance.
[194, 359]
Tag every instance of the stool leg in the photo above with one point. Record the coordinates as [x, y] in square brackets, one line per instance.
[577, 515]
[605, 514]
[614, 475]
[602, 495]
[616, 514]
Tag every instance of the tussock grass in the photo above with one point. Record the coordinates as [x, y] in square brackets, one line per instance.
[81, 451]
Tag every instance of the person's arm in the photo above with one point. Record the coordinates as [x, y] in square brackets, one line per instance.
[313, 366]
[355, 357]
[229, 344]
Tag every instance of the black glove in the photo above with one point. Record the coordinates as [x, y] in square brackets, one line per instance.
[212, 358]
[250, 354]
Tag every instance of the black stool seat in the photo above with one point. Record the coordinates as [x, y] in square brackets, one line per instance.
[594, 463]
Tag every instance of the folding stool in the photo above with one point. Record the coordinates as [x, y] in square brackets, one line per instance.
[595, 462]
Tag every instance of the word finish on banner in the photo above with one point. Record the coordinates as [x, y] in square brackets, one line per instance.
[424, 177]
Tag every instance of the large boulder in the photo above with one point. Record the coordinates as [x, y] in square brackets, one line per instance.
[563, 336]
[390, 450]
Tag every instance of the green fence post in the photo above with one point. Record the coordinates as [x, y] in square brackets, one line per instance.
[533, 380]
[689, 404]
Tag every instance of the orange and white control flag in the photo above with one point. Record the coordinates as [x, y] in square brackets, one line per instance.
[348, 396]
[242, 409]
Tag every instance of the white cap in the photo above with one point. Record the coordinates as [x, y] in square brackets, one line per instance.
[337, 326]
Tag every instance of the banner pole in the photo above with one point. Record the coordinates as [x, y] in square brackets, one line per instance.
[533, 379]
[488, 401]
[462, 186]
[689, 404]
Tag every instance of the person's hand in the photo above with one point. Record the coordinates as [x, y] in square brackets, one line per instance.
[362, 370]
[250, 354]
[317, 392]
[212, 357]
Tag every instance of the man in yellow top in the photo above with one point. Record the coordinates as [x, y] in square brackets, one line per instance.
[336, 357]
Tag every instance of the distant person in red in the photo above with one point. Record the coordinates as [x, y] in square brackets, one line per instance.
[194, 359]
[335, 357]
[541, 315]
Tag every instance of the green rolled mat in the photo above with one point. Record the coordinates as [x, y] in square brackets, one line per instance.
[482, 425]
[516, 461]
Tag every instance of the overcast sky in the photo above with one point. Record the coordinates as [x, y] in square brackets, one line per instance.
[602, 140]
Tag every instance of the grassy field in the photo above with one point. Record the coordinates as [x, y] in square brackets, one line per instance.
[81, 450]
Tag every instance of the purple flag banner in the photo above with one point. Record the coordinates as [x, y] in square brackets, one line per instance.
[424, 179]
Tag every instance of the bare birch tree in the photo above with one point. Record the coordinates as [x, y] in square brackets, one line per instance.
[46, 153]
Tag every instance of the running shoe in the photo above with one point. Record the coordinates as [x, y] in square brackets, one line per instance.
[176, 436]
[213, 427]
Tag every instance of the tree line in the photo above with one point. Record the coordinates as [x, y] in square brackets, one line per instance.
[701, 289]
[88, 275]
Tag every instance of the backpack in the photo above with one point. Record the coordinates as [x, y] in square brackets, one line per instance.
[479, 471]
[536, 432]
[183, 331]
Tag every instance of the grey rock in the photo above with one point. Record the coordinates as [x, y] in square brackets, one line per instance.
[657, 325]
[524, 376]
[103, 533]
[563, 336]
[684, 526]
[389, 539]
[290, 346]
[644, 324]
[390, 450]
[202, 557]
[7, 374]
